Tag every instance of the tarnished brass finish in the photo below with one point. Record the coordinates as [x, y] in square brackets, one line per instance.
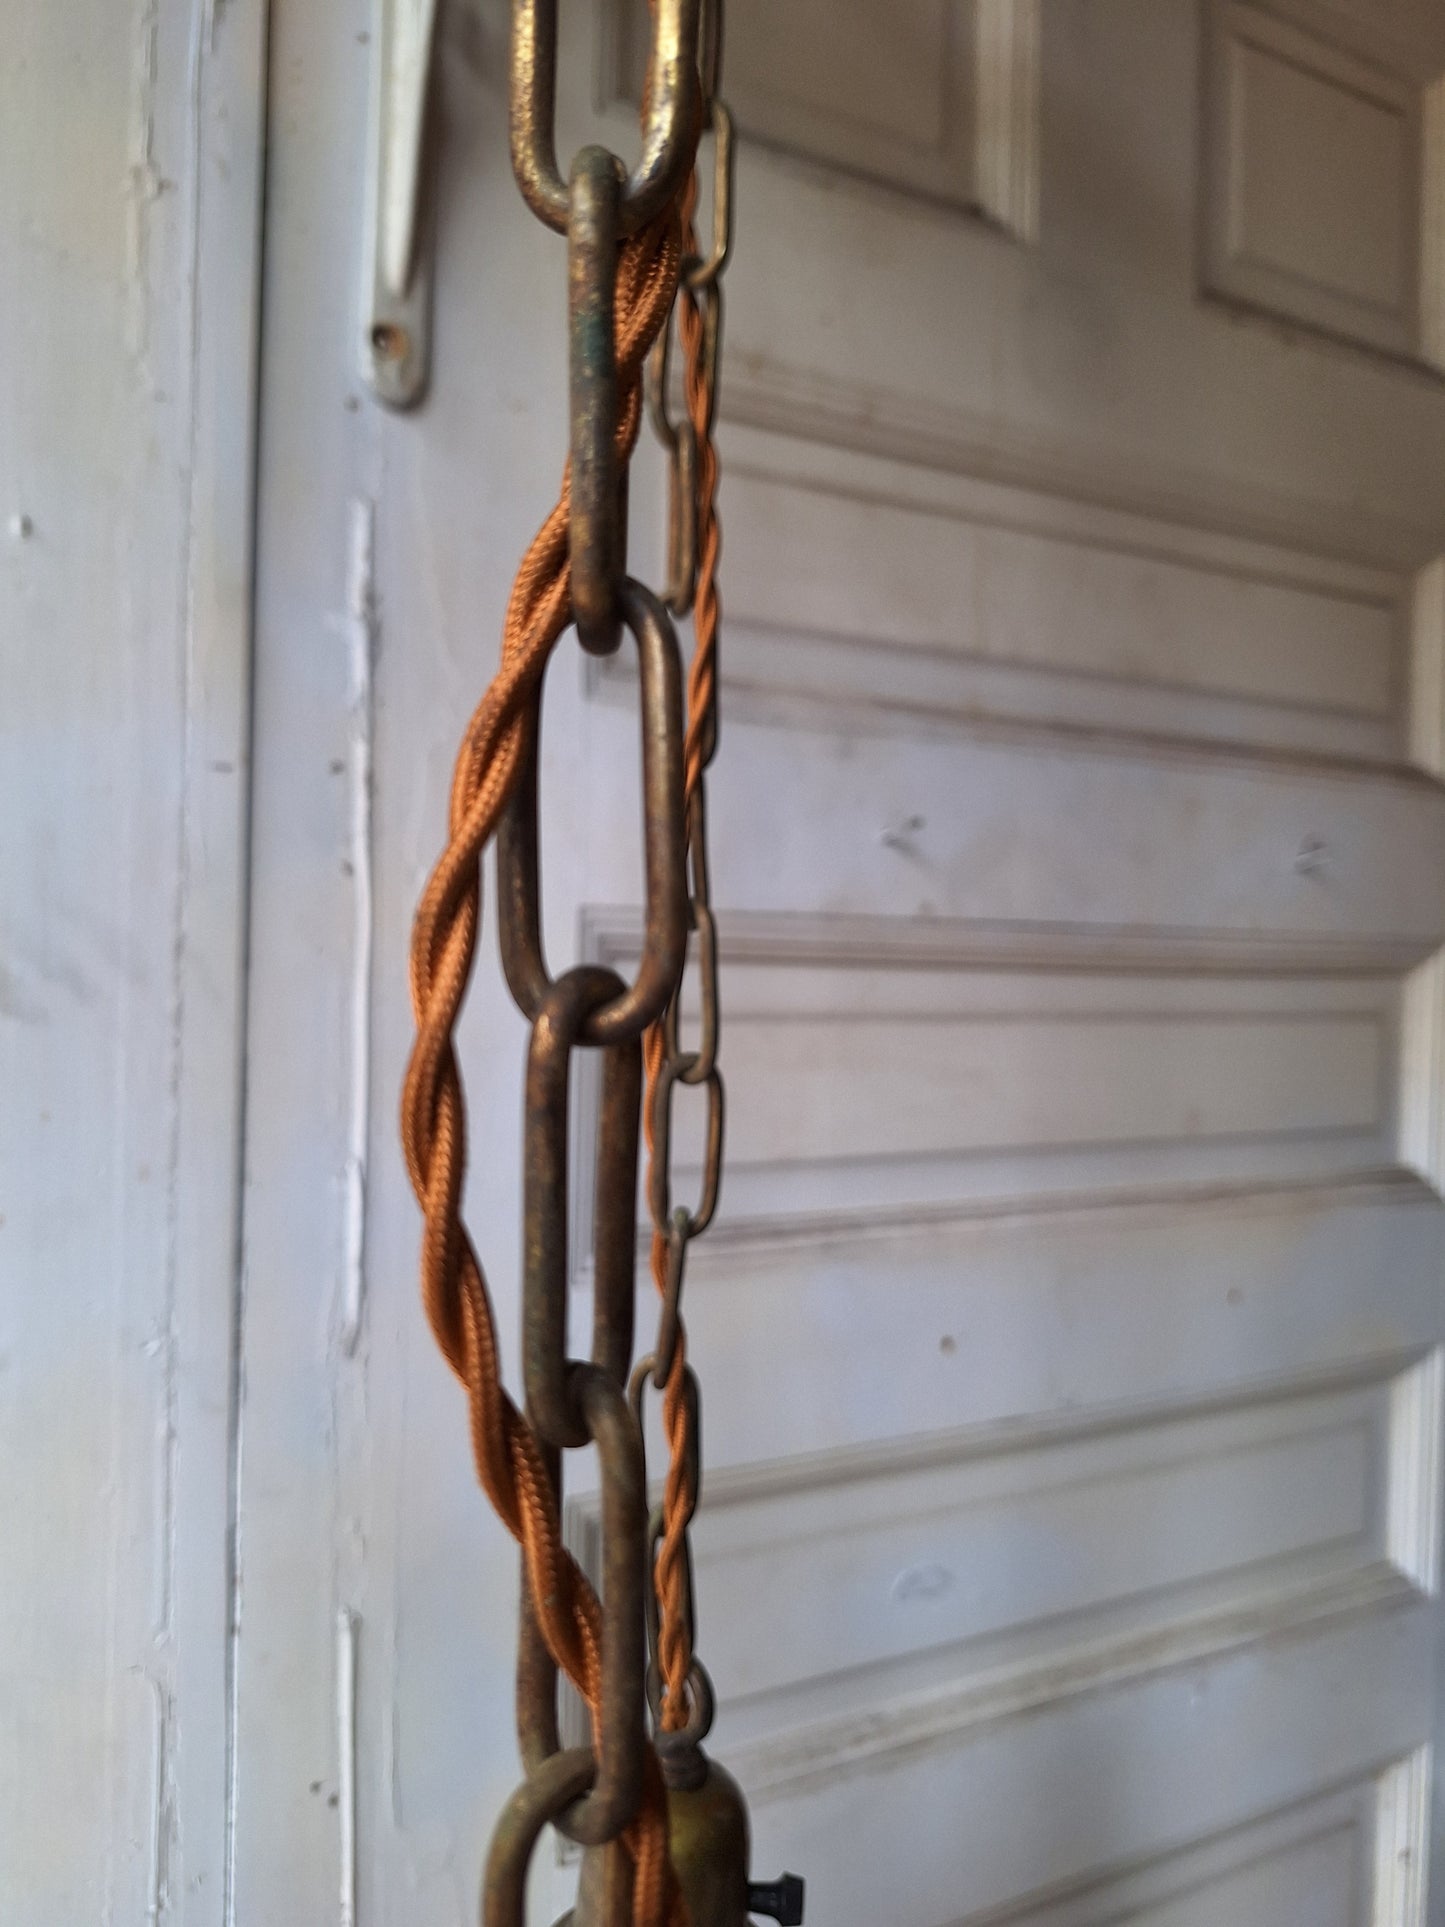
[680, 437]
[604, 1891]
[660, 1186]
[572, 1404]
[680, 440]
[682, 522]
[630, 1645]
[595, 536]
[669, 131]
[551, 1386]
[697, 1066]
[707, 1829]
[702, 270]
[664, 837]
[540, 1798]
[701, 275]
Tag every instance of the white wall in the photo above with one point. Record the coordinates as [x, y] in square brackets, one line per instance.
[128, 196]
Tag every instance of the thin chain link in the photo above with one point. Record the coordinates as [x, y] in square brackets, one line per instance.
[681, 1685]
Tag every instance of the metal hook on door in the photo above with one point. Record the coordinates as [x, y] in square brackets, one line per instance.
[396, 275]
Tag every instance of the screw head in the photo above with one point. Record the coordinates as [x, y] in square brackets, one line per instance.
[389, 342]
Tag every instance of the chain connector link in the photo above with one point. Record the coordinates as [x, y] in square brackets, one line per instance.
[604, 1889]
[680, 440]
[540, 1798]
[701, 271]
[550, 1393]
[670, 121]
[697, 1066]
[595, 526]
[659, 1177]
[698, 874]
[664, 836]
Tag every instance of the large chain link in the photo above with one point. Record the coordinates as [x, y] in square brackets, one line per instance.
[629, 240]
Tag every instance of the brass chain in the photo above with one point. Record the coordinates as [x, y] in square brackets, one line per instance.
[629, 239]
[679, 1690]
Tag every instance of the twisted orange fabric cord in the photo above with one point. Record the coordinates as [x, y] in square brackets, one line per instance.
[433, 1120]
[679, 1499]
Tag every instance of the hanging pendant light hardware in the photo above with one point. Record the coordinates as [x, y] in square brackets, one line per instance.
[708, 1833]
[663, 1828]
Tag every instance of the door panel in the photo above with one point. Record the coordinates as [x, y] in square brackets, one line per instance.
[1071, 1331]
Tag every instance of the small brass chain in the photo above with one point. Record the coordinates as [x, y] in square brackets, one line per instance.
[679, 1691]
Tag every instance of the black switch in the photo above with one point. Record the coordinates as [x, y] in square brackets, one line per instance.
[781, 1900]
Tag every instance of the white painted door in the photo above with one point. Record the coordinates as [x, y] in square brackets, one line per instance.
[1071, 1332]
[131, 137]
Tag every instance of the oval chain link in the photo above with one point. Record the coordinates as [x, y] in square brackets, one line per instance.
[664, 836]
[669, 119]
